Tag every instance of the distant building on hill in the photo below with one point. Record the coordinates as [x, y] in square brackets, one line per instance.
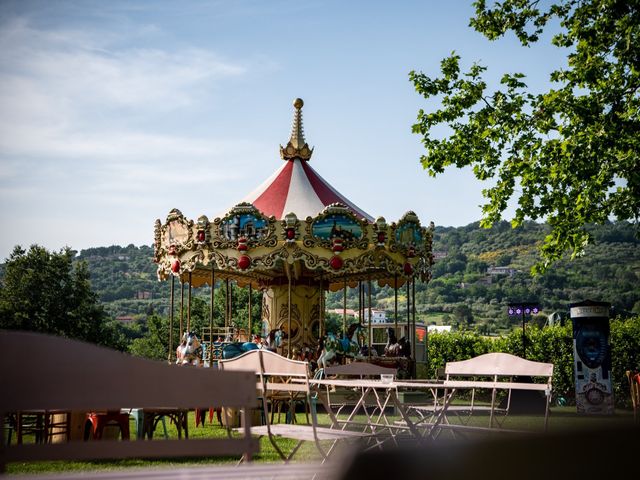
[143, 295]
[438, 328]
[502, 271]
[125, 319]
[377, 316]
[439, 255]
[340, 311]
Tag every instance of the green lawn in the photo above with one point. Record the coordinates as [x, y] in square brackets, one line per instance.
[561, 419]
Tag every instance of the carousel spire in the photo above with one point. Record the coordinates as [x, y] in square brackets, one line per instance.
[297, 146]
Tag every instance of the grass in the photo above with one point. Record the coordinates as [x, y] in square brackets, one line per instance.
[561, 419]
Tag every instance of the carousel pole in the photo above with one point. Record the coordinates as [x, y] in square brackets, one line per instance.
[360, 302]
[321, 329]
[189, 306]
[249, 327]
[395, 312]
[413, 331]
[370, 321]
[408, 310]
[226, 307]
[361, 306]
[262, 314]
[181, 308]
[231, 304]
[289, 316]
[344, 308]
[213, 296]
[171, 307]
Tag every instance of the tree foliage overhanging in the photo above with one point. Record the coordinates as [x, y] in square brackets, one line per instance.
[569, 155]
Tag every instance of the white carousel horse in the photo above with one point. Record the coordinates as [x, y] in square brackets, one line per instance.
[392, 348]
[189, 352]
[331, 348]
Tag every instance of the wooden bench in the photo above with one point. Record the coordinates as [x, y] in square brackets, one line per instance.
[493, 372]
[46, 373]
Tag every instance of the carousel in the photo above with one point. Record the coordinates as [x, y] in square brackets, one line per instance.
[293, 238]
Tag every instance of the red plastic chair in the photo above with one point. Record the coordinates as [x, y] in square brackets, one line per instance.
[99, 420]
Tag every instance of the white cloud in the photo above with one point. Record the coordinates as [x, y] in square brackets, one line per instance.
[86, 131]
[70, 92]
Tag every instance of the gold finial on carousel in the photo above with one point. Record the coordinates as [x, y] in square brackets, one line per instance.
[297, 146]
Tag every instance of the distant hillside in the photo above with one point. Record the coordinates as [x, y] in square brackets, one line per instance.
[477, 272]
[484, 269]
[125, 279]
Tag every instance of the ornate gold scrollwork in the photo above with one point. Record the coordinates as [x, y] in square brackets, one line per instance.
[336, 222]
[290, 225]
[283, 321]
[203, 232]
[157, 240]
[244, 221]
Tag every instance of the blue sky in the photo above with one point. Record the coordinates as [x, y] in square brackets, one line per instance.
[113, 113]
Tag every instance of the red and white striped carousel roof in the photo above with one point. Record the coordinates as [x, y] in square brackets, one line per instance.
[296, 187]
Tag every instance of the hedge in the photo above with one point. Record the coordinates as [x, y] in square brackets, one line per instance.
[552, 344]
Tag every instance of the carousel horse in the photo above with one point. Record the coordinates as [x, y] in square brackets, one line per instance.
[392, 348]
[405, 347]
[189, 352]
[332, 347]
[395, 348]
[361, 339]
[351, 341]
[274, 339]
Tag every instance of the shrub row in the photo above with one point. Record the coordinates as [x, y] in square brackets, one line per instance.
[552, 344]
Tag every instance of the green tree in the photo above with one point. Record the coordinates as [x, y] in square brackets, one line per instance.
[463, 316]
[155, 343]
[569, 155]
[47, 292]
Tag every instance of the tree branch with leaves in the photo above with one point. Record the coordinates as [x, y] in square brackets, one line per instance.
[569, 155]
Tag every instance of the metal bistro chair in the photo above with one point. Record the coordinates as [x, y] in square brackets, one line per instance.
[281, 376]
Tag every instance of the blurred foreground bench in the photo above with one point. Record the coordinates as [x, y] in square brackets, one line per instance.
[43, 373]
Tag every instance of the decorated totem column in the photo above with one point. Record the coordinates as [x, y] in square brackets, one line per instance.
[592, 357]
